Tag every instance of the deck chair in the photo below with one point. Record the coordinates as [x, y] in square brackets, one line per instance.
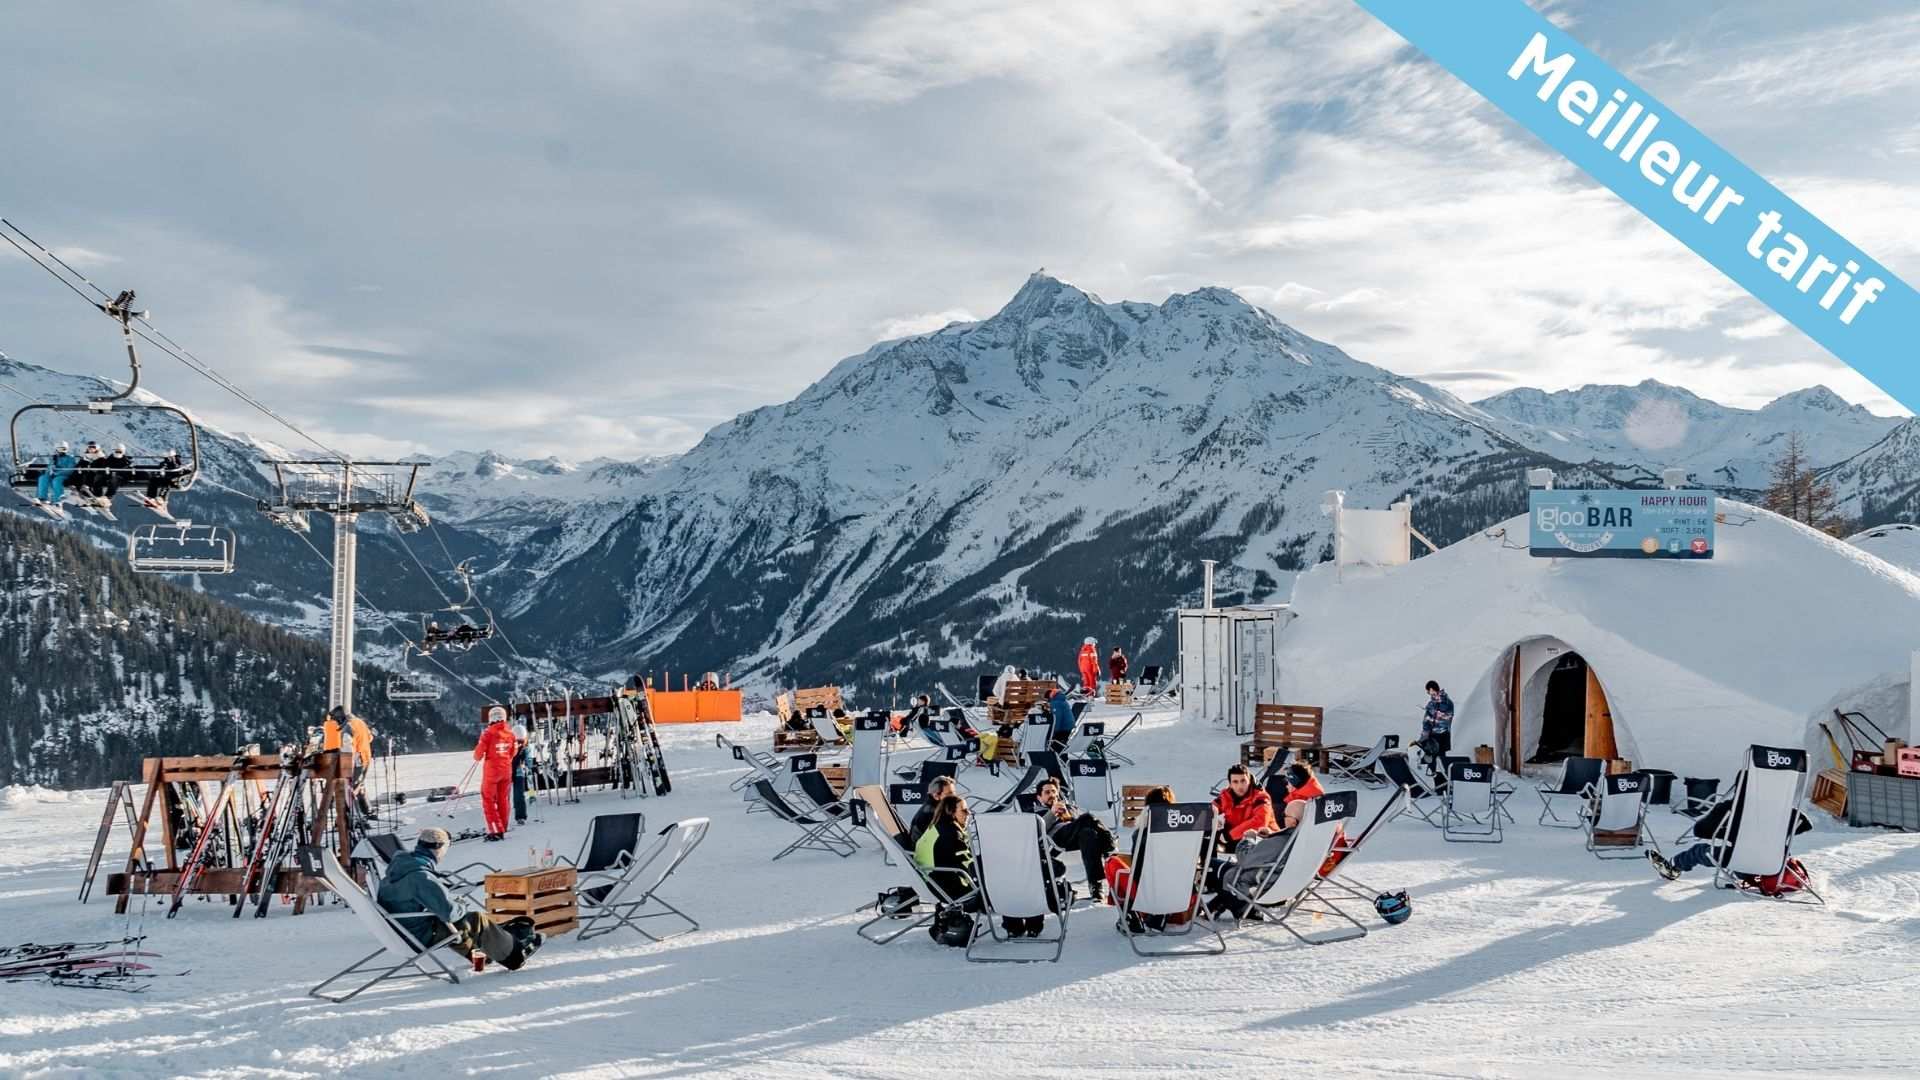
[1036, 735]
[1701, 793]
[1021, 786]
[622, 895]
[1086, 735]
[1170, 851]
[815, 789]
[1105, 747]
[1048, 762]
[1281, 886]
[1420, 798]
[873, 802]
[1363, 768]
[1758, 833]
[868, 762]
[400, 955]
[819, 831]
[1577, 774]
[1015, 882]
[1615, 818]
[1468, 811]
[823, 726]
[758, 762]
[1093, 787]
[1346, 849]
[1149, 687]
[886, 828]
[611, 843]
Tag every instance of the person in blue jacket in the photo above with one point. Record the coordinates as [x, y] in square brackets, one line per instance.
[1062, 717]
[53, 483]
[412, 886]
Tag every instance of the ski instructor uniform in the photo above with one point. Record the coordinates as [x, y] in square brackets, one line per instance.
[495, 752]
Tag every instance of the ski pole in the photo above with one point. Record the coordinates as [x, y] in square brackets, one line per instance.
[461, 788]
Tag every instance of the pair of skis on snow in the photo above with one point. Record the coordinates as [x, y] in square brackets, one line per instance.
[99, 965]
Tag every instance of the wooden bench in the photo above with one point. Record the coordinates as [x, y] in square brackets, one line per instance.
[1133, 801]
[1021, 695]
[1279, 726]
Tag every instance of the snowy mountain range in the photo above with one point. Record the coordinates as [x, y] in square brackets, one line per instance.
[997, 490]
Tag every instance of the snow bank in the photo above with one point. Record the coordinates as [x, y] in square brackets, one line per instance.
[1697, 659]
[21, 794]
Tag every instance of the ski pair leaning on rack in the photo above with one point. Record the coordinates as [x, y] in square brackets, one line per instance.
[213, 822]
[283, 818]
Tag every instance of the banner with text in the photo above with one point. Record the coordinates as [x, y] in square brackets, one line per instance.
[1620, 524]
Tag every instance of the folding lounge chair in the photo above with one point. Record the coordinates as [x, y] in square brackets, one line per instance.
[1036, 735]
[1468, 811]
[621, 895]
[758, 762]
[1577, 774]
[1086, 735]
[1701, 792]
[1420, 798]
[1280, 888]
[815, 789]
[1170, 852]
[1106, 745]
[1093, 787]
[885, 827]
[1758, 832]
[1048, 762]
[1363, 768]
[1615, 818]
[1348, 848]
[824, 727]
[400, 955]
[1148, 687]
[867, 764]
[819, 830]
[1020, 786]
[1015, 883]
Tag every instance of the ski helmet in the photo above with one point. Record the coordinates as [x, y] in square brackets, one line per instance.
[1395, 908]
[1090, 641]
[61, 448]
[120, 448]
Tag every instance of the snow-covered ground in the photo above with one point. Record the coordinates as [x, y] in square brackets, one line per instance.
[1523, 959]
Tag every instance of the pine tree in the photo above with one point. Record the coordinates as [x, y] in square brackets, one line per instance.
[1796, 490]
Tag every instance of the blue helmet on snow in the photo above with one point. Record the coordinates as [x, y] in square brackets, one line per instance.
[1394, 908]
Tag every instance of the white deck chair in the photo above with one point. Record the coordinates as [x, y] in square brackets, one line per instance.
[868, 764]
[1365, 768]
[1015, 883]
[610, 899]
[400, 955]
[1760, 826]
[1107, 744]
[1284, 888]
[1086, 734]
[1468, 812]
[1169, 862]
[823, 726]
[871, 812]
[759, 763]
[1036, 735]
[1577, 775]
[1093, 787]
[1616, 818]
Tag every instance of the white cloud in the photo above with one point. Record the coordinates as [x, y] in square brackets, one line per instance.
[924, 323]
[1764, 327]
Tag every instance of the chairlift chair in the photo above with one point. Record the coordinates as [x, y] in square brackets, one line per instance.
[409, 685]
[180, 547]
[466, 634]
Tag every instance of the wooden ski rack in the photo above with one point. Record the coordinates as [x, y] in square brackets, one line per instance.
[144, 875]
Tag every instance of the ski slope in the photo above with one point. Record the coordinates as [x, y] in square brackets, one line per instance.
[1522, 959]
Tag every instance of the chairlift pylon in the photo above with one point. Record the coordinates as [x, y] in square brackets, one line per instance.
[167, 470]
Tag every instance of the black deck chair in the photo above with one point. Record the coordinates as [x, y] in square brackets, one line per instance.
[1027, 780]
[813, 784]
[819, 830]
[1577, 774]
[931, 770]
[984, 688]
[1400, 774]
[1049, 762]
[610, 844]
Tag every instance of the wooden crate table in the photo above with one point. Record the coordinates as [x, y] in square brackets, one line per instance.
[1320, 755]
[544, 895]
[1120, 693]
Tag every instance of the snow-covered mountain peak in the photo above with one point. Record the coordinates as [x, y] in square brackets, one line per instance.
[1814, 399]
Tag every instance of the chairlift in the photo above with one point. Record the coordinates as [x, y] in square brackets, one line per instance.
[172, 471]
[409, 685]
[436, 631]
[180, 547]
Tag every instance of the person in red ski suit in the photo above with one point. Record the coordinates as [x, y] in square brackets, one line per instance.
[495, 752]
[1090, 666]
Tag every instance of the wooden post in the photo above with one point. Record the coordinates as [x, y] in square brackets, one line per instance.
[149, 775]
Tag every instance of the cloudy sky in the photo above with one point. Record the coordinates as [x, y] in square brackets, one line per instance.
[589, 229]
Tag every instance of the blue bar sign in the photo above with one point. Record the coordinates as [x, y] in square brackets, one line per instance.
[1616, 524]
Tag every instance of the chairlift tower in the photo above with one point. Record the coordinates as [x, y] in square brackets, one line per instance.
[343, 490]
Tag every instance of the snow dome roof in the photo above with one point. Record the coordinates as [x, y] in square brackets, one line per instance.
[1898, 544]
[1697, 659]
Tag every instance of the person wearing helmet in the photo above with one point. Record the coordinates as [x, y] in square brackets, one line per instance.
[115, 469]
[1089, 666]
[522, 772]
[53, 482]
[86, 473]
[161, 481]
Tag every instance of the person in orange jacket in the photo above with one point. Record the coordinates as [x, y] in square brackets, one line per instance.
[1245, 811]
[495, 751]
[1090, 666]
[330, 729]
[1302, 786]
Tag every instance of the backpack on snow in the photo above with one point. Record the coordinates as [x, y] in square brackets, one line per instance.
[1791, 879]
[951, 925]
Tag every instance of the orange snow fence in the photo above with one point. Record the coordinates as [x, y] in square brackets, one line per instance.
[694, 706]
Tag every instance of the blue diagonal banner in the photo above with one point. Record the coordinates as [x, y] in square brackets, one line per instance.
[1728, 214]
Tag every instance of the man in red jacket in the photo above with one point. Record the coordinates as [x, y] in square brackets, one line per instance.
[1245, 811]
[495, 751]
[1089, 666]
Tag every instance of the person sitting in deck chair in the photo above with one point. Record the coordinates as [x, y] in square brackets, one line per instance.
[1071, 829]
[413, 885]
[937, 791]
[1302, 788]
[1245, 811]
[1436, 723]
[944, 851]
[1710, 852]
